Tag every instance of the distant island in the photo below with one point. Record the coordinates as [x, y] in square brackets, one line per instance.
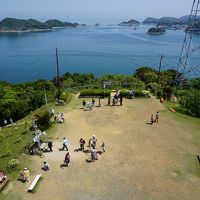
[156, 31]
[131, 22]
[23, 25]
[173, 23]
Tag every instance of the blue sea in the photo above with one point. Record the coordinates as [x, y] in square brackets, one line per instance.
[99, 50]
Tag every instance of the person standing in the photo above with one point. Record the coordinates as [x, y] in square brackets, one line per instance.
[67, 159]
[152, 119]
[83, 103]
[93, 102]
[5, 122]
[109, 99]
[11, 120]
[82, 143]
[121, 100]
[94, 140]
[103, 147]
[65, 144]
[52, 112]
[99, 102]
[157, 116]
[50, 145]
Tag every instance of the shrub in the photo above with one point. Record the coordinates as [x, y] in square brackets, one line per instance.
[191, 102]
[138, 93]
[155, 88]
[93, 93]
[66, 97]
[13, 164]
[43, 120]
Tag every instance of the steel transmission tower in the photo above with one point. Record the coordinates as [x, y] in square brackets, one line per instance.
[184, 65]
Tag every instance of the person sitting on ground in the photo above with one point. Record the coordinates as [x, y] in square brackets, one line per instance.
[82, 143]
[50, 145]
[67, 159]
[22, 177]
[157, 116]
[46, 166]
[26, 174]
[65, 144]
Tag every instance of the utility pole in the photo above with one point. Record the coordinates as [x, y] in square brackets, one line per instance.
[58, 73]
[161, 58]
[45, 98]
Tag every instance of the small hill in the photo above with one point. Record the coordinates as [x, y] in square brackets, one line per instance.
[54, 23]
[151, 20]
[156, 31]
[169, 21]
[12, 24]
[131, 22]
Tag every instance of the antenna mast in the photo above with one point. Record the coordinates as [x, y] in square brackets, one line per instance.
[184, 66]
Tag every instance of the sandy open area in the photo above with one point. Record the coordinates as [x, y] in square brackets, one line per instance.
[142, 161]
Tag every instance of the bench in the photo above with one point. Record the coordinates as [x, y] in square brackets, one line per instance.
[34, 183]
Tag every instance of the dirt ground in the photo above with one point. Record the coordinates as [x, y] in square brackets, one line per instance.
[141, 162]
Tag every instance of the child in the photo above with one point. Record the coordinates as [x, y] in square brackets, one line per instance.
[157, 116]
[152, 119]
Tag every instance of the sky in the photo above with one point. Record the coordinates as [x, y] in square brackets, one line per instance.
[93, 10]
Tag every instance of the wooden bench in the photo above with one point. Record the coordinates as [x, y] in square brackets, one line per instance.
[34, 183]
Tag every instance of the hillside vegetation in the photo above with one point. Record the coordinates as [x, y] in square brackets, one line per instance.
[18, 100]
[12, 24]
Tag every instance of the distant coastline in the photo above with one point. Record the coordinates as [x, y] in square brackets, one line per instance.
[26, 31]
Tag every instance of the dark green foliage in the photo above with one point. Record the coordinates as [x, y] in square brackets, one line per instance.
[43, 120]
[191, 101]
[21, 24]
[66, 97]
[93, 93]
[12, 24]
[155, 88]
[156, 31]
[19, 100]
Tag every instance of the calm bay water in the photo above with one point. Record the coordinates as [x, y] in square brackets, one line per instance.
[98, 50]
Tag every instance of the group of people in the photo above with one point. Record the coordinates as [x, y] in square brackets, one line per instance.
[117, 98]
[155, 118]
[58, 118]
[90, 105]
[92, 146]
[7, 122]
[24, 175]
[111, 101]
